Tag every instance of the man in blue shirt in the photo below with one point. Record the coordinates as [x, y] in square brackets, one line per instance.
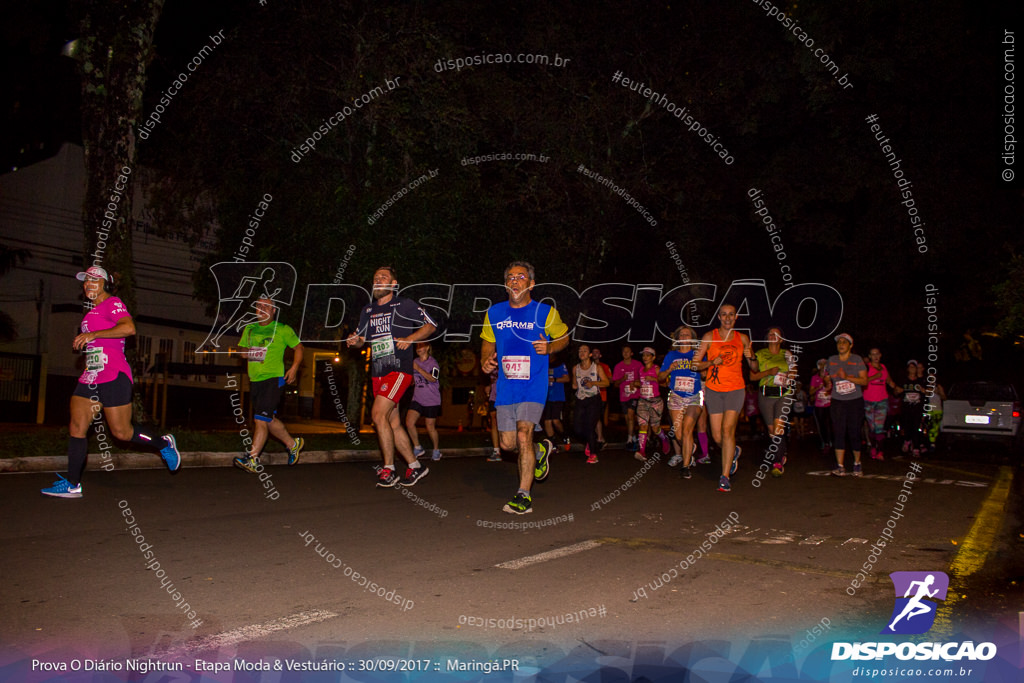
[518, 336]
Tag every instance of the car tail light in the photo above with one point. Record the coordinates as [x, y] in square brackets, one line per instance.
[1016, 409]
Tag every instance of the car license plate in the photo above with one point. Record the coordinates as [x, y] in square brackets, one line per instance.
[976, 419]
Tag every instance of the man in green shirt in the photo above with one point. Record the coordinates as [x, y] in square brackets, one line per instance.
[263, 343]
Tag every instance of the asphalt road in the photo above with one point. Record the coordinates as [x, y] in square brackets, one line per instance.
[282, 574]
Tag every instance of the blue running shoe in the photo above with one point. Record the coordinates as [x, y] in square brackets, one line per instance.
[418, 452]
[724, 485]
[735, 462]
[62, 488]
[170, 453]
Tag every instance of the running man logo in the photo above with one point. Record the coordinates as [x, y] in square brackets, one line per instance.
[240, 286]
[913, 613]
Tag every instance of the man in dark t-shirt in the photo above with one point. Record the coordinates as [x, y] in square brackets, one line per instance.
[392, 325]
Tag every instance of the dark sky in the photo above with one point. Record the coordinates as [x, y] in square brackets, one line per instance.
[932, 72]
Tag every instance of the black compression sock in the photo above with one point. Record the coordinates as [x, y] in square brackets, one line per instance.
[78, 454]
[140, 438]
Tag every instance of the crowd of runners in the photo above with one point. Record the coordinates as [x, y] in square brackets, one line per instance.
[717, 380]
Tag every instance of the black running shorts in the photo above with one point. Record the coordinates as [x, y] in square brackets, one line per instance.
[116, 392]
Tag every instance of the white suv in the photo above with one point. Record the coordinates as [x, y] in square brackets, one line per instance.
[981, 410]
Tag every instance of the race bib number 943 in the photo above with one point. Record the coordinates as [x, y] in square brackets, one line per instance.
[516, 367]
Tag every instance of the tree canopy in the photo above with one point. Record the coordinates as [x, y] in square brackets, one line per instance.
[926, 70]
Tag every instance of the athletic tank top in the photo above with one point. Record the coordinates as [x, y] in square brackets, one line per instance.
[729, 375]
[591, 374]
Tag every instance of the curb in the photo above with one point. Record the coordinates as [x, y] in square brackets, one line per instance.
[151, 461]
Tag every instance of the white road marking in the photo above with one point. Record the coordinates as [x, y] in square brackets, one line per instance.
[241, 635]
[780, 537]
[813, 540]
[549, 555]
[900, 477]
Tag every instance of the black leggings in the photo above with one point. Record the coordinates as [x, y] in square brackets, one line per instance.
[847, 417]
[823, 420]
[584, 420]
[911, 417]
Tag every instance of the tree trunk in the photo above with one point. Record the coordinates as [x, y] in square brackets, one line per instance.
[113, 53]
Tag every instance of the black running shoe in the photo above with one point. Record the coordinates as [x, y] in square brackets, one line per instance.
[543, 466]
[413, 475]
[519, 505]
[386, 478]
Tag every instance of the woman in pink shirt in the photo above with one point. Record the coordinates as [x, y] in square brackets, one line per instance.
[876, 401]
[106, 384]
